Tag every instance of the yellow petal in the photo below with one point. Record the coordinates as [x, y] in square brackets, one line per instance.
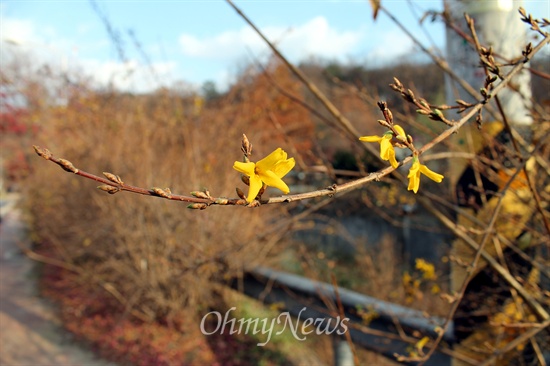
[269, 161]
[414, 183]
[391, 156]
[414, 177]
[400, 130]
[430, 174]
[245, 168]
[283, 167]
[255, 186]
[272, 180]
[371, 138]
[385, 147]
[414, 169]
[421, 343]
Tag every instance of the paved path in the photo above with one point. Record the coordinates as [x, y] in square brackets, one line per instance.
[30, 332]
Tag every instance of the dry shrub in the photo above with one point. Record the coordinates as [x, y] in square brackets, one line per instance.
[159, 256]
[270, 116]
[125, 254]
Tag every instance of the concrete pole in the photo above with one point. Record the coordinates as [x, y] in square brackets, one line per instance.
[343, 355]
[498, 25]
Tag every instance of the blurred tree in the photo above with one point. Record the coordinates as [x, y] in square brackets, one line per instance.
[210, 91]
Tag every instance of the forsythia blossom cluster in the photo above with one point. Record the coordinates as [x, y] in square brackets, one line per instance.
[414, 175]
[268, 171]
[387, 152]
[386, 146]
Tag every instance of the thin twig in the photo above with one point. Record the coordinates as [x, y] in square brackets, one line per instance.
[516, 342]
[118, 185]
[441, 137]
[205, 202]
[312, 87]
[530, 182]
[509, 244]
[537, 308]
[438, 61]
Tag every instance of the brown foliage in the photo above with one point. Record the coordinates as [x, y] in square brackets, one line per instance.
[271, 118]
[159, 256]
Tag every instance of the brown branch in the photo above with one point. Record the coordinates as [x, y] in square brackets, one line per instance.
[201, 203]
[113, 185]
[536, 307]
[443, 65]
[441, 137]
[516, 342]
[509, 244]
[303, 78]
[526, 173]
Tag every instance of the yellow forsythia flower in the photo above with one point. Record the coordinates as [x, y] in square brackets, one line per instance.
[420, 344]
[386, 147]
[414, 175]
[427, 269]
[268, 171]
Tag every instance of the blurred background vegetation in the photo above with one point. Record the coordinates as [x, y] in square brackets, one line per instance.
[134, 275]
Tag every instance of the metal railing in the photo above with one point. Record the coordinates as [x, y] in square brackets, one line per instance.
[389, 332]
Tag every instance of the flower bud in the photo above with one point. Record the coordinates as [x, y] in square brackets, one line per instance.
[383, 123]
[197, 206]
[424, 103]
[200, 194]
[390, 115]
[42, 152]
[484, 93]
[437, 115]
[160, 192]
[397, 82]
[240, 193]
[68, 166]
[221, 201]
[113, 178]
[246, 147]
[109, 189]
[463, 103]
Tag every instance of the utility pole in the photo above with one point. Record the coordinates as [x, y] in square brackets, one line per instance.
[497, 25]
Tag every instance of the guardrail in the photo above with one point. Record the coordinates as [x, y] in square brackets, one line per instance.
[305, 298]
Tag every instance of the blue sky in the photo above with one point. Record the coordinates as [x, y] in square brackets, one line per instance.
[196, 41]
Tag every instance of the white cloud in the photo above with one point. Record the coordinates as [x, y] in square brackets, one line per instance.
[21, 38]
[130, 76]
[313, 38]
[17, 31]
[390, 46]
[317, 38]
[26, 36]
[21, 41]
